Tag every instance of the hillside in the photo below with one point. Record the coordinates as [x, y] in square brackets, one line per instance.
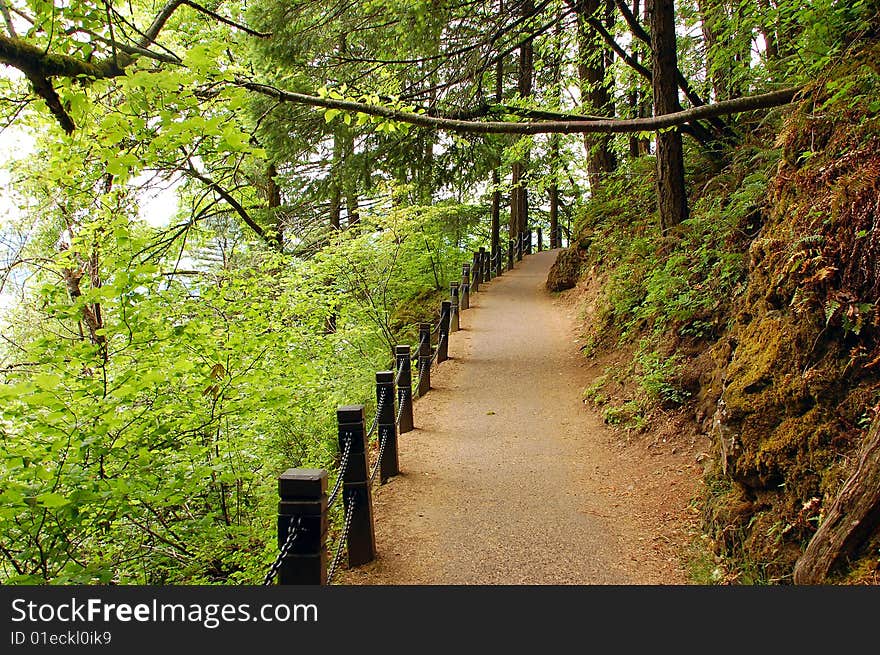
[757, 322]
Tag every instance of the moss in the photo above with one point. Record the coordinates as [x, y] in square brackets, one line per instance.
[566, 270]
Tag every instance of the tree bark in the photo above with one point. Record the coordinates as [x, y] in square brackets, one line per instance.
[572, 125]
[495, 227]
[519, 199]
[853, 516]
[594, 93]
[671, 195]
[273, 202]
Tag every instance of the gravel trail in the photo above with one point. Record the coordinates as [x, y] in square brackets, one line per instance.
[508, 477]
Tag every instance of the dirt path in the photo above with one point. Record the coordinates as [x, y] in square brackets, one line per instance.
[509, 478]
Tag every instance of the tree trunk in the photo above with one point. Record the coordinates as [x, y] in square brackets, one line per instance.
[554, 209]
[638, 99]
[671, 196]
[852, 518]
[273, 202]
[594, 93]
[495, 228]
[709, 23]
[519, 201]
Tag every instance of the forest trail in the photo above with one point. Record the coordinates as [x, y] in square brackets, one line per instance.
[509, 478]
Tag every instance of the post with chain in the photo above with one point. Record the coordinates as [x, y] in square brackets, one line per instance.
[356, 486]
[424, 358]
[454, 323]
[404, 387]
[475, 273]
[464, 301]
[511, 251]
[528, 236]
[497, 263]
[389, 465]
[443, 343]
[540, 240]
[481, 263]
[487, 265]
[302, 503]
[519, 247]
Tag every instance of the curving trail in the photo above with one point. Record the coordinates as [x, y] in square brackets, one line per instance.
[508, 477]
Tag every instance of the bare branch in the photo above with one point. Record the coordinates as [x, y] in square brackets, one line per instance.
[7, 18]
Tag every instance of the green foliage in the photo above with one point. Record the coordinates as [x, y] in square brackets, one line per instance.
[146, 450]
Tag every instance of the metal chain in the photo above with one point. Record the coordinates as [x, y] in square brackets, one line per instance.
[343, 539]
[423, 371]
[379, 406]
[437, 351]
[399, 373]
[341, 474]
[292, 534]
[382, 443]
[401, 395]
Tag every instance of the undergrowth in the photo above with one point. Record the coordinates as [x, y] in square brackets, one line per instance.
[668, 293]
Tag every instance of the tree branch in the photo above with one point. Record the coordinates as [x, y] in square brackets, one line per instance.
[606, 126]
[7, 18]
[231, 201]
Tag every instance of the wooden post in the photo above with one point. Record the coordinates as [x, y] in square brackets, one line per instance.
[519, 248]
[511, 251]
[443, 342]
[424, 358]
[475, 273]
[404, 387]
[356, 486]
[540, 240]
[453, 300]
[484, 276]
[386, 429]
[302, 497]
[528, 238]
[498, 261]
[465, 295]
[487, 265]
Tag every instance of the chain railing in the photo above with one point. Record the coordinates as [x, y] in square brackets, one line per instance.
[283, 553]
[340, 474]
[309, 507]
[343, 538]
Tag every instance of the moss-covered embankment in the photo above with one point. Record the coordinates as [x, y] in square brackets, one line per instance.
[767, 301]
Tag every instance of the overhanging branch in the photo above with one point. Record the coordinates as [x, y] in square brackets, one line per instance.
[606, 126]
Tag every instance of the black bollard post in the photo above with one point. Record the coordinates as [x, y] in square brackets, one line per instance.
[386, 429]
[465, 295]
[487, 266]
[528, 236]
[302, 502]
[475, 273]
[482, 264]
[424, 358]
[454, 324]
[511, 251]
[497, 262]
[540, 240]
[443, 339]
[403, 372]
[519, 248]
[356, 486]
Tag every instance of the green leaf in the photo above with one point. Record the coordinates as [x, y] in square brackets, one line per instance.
[52, 500]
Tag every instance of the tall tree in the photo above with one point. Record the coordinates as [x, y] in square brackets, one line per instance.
[672, 201]
[596, 95]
